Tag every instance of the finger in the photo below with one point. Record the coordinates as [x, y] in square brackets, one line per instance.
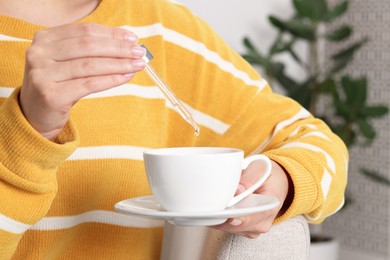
[260, 228]
[245, 223]
[81, 87]
[88, 46]
[251, 235]
[250, 232]
[86, 29]
[240, 189]
[252, 174]
[260, 222]
[232, 225]
[88, 67]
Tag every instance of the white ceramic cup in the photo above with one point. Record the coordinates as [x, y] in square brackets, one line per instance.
[199, 179]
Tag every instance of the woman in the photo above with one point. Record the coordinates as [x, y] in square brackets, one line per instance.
[77, 110]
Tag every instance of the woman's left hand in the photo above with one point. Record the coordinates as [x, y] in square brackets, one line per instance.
[277, 185]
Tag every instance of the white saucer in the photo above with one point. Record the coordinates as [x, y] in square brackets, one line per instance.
[148, 207]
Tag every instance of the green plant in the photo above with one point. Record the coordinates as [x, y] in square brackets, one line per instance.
[347, 111]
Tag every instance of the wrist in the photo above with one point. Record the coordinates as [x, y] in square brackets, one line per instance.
[288, 195]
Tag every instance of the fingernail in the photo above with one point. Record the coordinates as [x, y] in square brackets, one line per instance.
[138, 64]
[236, 222]
[131, 38]
[138, 51]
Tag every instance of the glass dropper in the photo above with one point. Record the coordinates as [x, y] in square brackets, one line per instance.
[168, 93]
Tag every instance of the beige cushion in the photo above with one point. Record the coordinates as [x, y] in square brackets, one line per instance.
[289, 240]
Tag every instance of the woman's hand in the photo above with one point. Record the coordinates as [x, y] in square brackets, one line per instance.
[277, 185]
[68, 62]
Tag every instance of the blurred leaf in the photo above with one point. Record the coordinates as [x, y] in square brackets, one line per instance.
[350, 50]
[340, 64]
[280, 46]
[347, 135]
[337, 11]
[374, 111]
[349, 89]
[339, 34]
[338, 131]
[356, 95]
[277, 69]
[249, 45]
[313, 9]
[253, 59]
[326, 120]
[375, 176]
[327, 86]
[285, 81]
[295, 56]
[295, 27]
[361, 91]
[302, 95]
[366, 129]
[342, 109]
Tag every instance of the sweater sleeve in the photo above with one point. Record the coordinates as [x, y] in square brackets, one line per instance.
[242, 111]
[315, 158]
[28, 165]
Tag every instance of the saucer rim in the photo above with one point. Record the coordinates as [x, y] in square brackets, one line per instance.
[167, 215]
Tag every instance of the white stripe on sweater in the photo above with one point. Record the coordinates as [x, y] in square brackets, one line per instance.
[313, 133]
[205, 120]
[66, 222]
[326, 181]
[196, 47]
[303, 113]
[108, 152]
[329, 160]
[96, 216]
[202, 119]
[175, 2]
[5, 92]
[186, 43]
[312, 219]
[129, 90]
[12, 226]
[4, 37]
[295, 132]
[317, 134]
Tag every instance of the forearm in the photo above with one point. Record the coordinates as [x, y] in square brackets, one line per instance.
[28, 166]
[316, 161]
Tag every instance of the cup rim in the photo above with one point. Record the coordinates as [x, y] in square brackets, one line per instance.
[198, 151]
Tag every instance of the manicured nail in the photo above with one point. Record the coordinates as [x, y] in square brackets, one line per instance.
[138, 64]
[236, 222]
[131, 38]
[138, 51]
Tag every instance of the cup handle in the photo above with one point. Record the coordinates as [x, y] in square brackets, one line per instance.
[257, 184]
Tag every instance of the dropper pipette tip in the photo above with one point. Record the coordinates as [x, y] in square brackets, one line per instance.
[168, 92]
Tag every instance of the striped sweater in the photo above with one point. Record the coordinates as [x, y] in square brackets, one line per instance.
[57, 198]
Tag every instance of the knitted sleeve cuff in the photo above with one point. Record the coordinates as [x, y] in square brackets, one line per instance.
[24, 152]
[305, 188]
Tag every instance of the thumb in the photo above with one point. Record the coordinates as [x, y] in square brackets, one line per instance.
[252, 174]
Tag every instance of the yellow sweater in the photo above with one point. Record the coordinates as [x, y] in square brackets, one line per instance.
[57, 199]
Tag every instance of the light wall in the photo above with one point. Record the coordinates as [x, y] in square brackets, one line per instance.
[233, 20]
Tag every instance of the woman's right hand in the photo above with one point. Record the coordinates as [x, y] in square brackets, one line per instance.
[68, 62]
